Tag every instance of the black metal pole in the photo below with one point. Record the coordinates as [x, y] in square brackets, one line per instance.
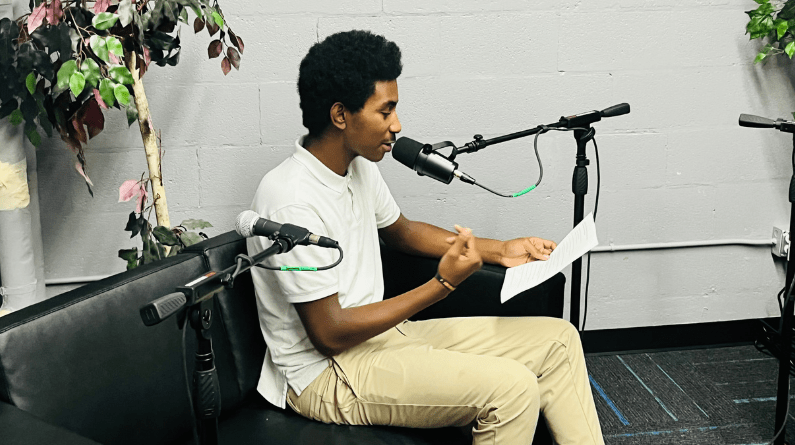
[782, 394]
[579, 186]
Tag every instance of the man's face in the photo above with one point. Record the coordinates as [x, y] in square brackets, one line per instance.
[371, 131]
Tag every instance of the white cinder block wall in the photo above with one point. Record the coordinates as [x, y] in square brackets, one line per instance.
[678, 168]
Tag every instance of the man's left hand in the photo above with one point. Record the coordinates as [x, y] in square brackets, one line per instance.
[524, 250]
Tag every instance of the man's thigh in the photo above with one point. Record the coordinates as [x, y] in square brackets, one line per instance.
[400, 381]
[528, 340]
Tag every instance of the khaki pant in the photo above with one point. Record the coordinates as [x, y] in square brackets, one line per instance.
[499, 372]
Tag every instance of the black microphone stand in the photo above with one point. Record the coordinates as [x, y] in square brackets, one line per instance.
[583, 133]
[195, 301]
[785, 324]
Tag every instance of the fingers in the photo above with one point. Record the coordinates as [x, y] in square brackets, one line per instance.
[451, 239]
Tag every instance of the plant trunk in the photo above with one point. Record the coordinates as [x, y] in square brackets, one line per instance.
[150, 144]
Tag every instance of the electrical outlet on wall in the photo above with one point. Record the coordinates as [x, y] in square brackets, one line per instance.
[780, 242]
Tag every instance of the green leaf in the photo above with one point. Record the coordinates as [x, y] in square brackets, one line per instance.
[764, 53]
[30, 82]
[788, 11]
[106, 87]
[90, 70]
[121, 94]
[77, 83]
[165, 236]
[790, 49]
[190, 238]
[100, 47]
[104, 20]
[16, 117]
[131, 256]
[114, 46]
[121, 75]
[33, 137]
[132, 115]
[195, 224]
[766, 9]
[65, 74]
[126, 11]
[218, 19]
[45, 124]
[781, 27]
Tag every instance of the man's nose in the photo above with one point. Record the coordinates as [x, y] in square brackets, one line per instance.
[395, 127]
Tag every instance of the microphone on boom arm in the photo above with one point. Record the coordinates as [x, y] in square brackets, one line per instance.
[426, 160]
[249, 223]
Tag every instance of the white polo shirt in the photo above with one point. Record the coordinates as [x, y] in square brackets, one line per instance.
[349, 209]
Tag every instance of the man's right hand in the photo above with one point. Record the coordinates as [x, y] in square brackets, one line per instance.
[462, 258]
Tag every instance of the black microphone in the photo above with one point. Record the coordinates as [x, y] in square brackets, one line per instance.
[249, 223]
[749, 120]
[426, 161]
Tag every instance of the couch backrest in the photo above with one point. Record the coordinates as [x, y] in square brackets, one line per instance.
[85, 361]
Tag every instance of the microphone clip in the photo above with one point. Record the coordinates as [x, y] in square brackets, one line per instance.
[429, 148]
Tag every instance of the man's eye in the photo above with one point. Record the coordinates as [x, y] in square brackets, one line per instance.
[386, 114]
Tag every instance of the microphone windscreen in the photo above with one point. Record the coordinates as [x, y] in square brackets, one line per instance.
[406, 150]
[244, 225]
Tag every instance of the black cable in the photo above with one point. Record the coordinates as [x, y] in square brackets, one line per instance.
[302, 268]
[595, 208]
[543, 130]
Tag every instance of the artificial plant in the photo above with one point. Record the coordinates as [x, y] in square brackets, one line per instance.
[67, 61]
[773, 21]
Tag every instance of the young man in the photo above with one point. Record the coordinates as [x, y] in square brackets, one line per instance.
[337, 351]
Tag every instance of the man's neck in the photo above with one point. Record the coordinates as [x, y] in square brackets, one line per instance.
[330, 151]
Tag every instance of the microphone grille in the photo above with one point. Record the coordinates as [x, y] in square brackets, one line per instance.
[244, 225]
[406, 150]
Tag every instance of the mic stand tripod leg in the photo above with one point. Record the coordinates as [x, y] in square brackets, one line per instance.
[206, 389]
[579, 186]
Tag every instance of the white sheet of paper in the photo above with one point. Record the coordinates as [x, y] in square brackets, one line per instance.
[576, 244]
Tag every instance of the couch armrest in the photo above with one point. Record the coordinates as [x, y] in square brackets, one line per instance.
[18, 427]
[478, 295]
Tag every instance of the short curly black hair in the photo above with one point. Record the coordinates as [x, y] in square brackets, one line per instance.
[344, 68]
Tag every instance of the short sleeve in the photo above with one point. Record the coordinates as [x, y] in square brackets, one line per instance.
[303, 286]
[386, 209]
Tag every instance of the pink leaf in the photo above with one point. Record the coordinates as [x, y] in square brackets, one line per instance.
[226, 65]
[139, 204]
[113, 59]
[101, 6]
[79, 169]
[36, 17]
[54, 12]
[98, 97]
[128, 190]
[147, 56]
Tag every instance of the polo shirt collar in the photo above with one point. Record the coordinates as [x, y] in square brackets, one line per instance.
[319, 170]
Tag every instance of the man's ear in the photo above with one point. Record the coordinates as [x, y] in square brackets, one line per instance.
[337, 114]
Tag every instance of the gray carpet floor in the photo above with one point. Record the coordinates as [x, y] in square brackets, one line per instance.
[701, 396]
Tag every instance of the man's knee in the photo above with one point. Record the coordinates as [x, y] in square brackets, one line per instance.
[514, 380]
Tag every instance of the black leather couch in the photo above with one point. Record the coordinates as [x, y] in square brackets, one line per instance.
[81, 368]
